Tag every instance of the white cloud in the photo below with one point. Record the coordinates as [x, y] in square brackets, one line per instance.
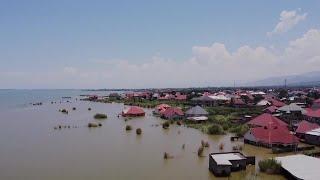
[288, 19]
[212, 65]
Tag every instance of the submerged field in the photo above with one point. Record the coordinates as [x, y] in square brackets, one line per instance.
[32, 149]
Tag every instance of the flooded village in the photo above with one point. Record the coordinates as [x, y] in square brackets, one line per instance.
[257, 126]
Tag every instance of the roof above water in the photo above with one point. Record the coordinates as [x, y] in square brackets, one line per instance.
[224, 159]
[301, 166]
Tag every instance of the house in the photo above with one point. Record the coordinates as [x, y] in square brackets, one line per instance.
[271, 109]
[316, 104]
[305, 126]
[271, 136]
[263, 102]
[277, 103]
[292, 108]
[160, 108]
[172, 113]
[237, 102]
[203, 101]
[300, 166]
[196, 111]
[312, 136]
[222, 164]
[197, 114]
[313, 115]
[291, 113]
[133, 111]
[266, 120]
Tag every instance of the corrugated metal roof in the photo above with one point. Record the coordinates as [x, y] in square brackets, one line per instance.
[301, 166]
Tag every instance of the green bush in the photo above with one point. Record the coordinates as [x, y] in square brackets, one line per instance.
[128, 127]
[239, 130]
[215, 129]
[100, 116]
[166, 125]
[270, 166]
[138, 131]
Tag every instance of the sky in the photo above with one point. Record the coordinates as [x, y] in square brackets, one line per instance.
[155, 44]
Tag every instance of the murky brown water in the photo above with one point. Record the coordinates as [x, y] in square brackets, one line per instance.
[31, 149]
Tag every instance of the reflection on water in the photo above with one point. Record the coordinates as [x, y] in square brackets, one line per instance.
[32, 149]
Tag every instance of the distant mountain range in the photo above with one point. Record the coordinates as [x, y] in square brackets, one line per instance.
[305, 79]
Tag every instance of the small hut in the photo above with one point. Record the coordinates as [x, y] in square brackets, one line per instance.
[196, 111]
[222, 164]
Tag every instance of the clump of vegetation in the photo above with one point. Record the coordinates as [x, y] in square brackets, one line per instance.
[183, 146]
[200, 151]
[215, 129]
[100, 116]
[89, 109]
[221, 146]
[64, 111]
[91, 125]
[179, 123]
[167, 156]
[74, 108]
[205, 144]
[138, 131]
[128, 128]
[240, 130]
[237, 148]
[270, 166]
[166, 125]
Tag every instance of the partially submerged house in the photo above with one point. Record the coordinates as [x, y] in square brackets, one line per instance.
[263, 102]
[291, 113]
[266, 120]
[222, 164]
[313, 137]
[300, 166]
[172, 113]
[312, 115]
[271, 109]
[203, 101]
[316, 104]
[160, 108]
[272, 136]
[305, 126]
[196, 111]
[133, 111]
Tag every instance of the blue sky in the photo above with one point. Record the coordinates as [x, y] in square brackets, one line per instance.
[53, 37]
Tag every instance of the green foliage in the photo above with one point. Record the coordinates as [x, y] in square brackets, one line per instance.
[100, 116]
[166, 125]
[215, 129]
[128, 127]
[239, 130]
[271, 166]
[138, 131]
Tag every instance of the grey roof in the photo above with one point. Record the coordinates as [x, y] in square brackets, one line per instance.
[301, 166]
[196, 110]
[202, 98]
[291, 108]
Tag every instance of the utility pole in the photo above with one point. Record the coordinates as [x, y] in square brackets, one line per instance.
[285, 83]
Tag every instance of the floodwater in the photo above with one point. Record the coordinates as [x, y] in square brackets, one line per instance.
[30, 148]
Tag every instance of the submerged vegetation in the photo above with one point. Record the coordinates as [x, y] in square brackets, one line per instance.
[166, 125]
[138, 131]
[100, 116]
[128, 128]
[215, 129]
[270, 166]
